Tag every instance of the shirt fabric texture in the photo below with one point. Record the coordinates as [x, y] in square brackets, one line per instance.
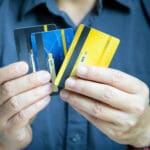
[59, 126]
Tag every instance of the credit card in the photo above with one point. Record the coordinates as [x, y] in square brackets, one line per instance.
[50, 48]
[89, 47]
[23, 43]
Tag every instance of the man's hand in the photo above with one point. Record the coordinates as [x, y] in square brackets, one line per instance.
[115, 102]
[21, 98]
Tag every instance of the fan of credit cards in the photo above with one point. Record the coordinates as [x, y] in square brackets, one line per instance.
[60, 51]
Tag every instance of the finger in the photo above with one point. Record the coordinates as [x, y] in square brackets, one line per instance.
[98, 110]
[24, 100]
[104, 93]
[111, 130]
[106, 127]
[22, 118]
[116, 133]
[17, 86]
[22, 136]
[13, 71]
[111, 77]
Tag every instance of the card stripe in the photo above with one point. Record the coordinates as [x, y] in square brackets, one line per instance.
[64, 42]
[41, 53]
[45, 28]
[74, 56]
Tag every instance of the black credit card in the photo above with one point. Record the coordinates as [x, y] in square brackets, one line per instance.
[23, 42]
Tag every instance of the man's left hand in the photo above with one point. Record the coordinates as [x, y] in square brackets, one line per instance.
[115, 102]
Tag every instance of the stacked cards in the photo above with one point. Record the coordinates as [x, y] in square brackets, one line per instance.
[43, 47]
[59, 51]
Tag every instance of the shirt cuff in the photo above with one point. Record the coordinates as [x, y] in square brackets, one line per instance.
[133, 148]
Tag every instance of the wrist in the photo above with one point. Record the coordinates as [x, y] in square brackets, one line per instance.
[143, 138]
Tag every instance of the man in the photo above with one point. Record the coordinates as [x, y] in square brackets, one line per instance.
[115, 102]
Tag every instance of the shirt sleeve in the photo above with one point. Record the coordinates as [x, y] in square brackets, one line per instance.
[133, 148]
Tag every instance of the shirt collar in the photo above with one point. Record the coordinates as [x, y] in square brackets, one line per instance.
[146, 6]
[31, 4]
[125, 3]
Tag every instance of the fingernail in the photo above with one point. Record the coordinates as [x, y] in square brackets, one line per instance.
[70, 82]
[64, 94]
[22, 67]
[82, 70]
[43, 76]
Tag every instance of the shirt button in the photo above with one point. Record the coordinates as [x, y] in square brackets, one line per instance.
[76, 138]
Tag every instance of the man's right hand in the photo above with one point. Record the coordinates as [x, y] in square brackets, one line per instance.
[21, 98]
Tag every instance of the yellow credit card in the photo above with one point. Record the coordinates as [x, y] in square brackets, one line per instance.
[89, 47]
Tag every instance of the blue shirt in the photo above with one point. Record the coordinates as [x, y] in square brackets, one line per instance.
[59, 127]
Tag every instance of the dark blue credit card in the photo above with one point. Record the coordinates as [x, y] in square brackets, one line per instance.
[50, 48]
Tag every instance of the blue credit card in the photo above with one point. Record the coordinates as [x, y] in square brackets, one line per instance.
[50, 48]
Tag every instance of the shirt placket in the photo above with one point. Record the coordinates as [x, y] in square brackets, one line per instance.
[76, 137]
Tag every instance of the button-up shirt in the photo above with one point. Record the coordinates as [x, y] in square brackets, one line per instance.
[59, 126]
